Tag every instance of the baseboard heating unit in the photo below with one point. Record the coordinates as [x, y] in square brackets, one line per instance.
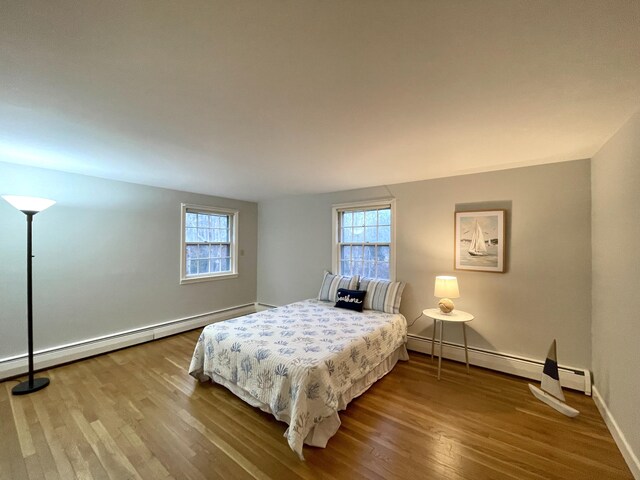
[573, 378]
[17, 365]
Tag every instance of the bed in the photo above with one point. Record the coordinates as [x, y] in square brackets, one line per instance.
[303, 362]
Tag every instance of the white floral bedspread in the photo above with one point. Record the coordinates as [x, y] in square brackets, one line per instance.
[298, 359]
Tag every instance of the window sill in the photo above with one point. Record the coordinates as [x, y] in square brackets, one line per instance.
[208, 278]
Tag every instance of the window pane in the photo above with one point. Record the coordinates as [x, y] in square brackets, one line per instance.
[215, 265]
[225, 250]
[383, 254]
[223, 235]
[191, 220]
[384, 234]
[192, 267]
[203, 220]
[192, 251]
[347, 235]
[371, 217]
[347, 219]
[345, 253]
[384, 217]
[371, 234]
[356, 253]
[203, 235]
[369, 253]
[358, 235]
[357, 268]
[369, 270]
[203, 251]
[203, 266]
[192, 235]
[345, 267]
[358, 219]
[223, 221]
[220, 265]
[226, 265]
[214, 221]
[382, 271]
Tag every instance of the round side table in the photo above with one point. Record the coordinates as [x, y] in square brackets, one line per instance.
[457, 316]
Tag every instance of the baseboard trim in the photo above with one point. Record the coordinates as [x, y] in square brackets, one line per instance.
[627, 452]
[574, 378]
[264, 306]
[18, 365]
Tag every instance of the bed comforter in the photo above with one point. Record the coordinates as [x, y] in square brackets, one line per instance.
[301, 362]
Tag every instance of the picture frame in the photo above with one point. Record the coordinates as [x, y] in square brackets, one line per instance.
[479, 241]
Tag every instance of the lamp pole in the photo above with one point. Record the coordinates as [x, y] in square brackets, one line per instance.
[29, 206]
[33, 384]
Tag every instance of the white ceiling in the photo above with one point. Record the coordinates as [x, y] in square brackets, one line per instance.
[265, 98]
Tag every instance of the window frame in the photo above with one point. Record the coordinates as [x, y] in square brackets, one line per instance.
[363, 205]
[233, 243]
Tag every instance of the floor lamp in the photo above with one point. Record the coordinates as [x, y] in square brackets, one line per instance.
[29, 206]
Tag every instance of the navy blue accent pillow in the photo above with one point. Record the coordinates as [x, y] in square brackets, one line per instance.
[350, 299]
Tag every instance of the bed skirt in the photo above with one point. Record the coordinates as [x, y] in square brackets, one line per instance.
[327, 428]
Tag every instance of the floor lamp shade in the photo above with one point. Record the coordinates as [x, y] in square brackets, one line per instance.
[29, 206]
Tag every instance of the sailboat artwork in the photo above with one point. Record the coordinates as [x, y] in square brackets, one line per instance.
[478, 247]
[479, 240]
[550, 391]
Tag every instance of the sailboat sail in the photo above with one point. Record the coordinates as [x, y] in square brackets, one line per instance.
[550, 377]
[477, 247]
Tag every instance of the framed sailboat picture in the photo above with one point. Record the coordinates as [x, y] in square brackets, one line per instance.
[479, 240]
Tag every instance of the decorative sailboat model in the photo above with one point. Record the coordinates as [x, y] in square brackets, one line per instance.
[551, 390]
[477, 248]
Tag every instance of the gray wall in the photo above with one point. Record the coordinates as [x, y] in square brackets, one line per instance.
[107, 259]
[545, 294]
[616, 282]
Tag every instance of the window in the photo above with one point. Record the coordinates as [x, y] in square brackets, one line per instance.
[209, 243]
[364, 239]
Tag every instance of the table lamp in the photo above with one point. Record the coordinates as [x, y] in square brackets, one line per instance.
[445, 289]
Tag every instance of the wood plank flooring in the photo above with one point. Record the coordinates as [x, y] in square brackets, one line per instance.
[137, 414]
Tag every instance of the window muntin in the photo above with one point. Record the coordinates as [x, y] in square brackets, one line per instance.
[208, 243]
[365, 240]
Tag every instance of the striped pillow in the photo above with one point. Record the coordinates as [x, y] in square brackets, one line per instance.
[382, 295]
[331, 283]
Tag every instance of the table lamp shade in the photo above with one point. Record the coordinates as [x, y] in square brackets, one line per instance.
[446, 287]
[28, 204]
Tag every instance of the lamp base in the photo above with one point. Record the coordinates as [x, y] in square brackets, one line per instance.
[446, 306]
[24, 387]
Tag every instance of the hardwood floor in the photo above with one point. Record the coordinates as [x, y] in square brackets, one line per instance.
[136, 413]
